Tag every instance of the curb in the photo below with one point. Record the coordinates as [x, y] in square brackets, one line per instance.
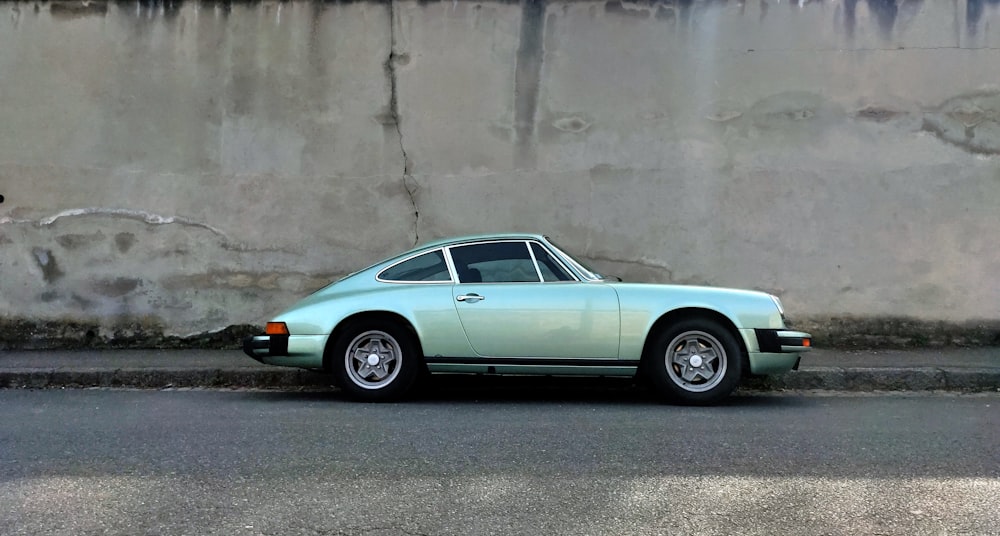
[161, 378]
[970, 380]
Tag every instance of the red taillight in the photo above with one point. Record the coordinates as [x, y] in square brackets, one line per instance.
[807, 342]
[276, 328]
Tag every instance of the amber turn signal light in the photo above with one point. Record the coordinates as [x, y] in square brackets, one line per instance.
[807, 342]
[276, 328]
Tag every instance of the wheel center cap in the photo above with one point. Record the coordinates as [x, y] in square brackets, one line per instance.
[696, 361]
[373, 359]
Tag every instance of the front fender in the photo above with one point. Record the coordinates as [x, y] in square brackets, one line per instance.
[643, 305]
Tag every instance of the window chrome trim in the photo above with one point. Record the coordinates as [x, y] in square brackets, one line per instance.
[527, 242]
[484, 242]
[538, 270]
[553, 252]
[558, 259]
[451, 272]
[446, 251]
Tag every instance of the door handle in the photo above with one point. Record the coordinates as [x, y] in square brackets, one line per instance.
[471, 298]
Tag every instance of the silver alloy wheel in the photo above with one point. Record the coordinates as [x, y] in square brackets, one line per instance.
[372, 359]
[696, 361]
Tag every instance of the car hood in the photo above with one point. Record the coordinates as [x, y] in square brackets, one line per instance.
[689, 289]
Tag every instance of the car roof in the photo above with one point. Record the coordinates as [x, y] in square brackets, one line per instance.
[479, 238]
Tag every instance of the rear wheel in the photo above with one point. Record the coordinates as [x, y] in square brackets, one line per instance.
[375, 361]
[695, 361]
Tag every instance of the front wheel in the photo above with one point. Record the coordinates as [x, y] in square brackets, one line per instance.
[375, 361]
[694, 362]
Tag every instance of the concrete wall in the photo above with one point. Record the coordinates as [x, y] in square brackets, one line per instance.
[171, 170]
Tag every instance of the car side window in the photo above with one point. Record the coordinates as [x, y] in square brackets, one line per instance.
[427, 267]
[494, 262]
[550, 268]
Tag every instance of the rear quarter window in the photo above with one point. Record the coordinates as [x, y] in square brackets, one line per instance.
[428, 267]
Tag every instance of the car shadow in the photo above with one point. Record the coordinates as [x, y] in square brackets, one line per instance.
[476, 388]
[473, 389]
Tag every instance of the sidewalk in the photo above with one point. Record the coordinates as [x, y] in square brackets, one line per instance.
[948, 369]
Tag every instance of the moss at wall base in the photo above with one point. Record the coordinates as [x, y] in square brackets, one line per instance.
[830, 332]
[29, 334]
[849, 332]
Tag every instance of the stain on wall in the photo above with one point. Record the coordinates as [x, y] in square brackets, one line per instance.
[971, 122]
[124, 241]
[73, 241]
[527, 81]
[116, 287]
[48, 265]
[72, 9]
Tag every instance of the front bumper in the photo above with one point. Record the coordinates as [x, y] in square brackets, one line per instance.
[781, 340]
[777, 350]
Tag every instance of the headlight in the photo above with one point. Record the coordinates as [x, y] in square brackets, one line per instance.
[777, 303]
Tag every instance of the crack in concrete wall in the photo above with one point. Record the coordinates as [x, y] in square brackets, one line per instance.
[642, 262]
[410, 184]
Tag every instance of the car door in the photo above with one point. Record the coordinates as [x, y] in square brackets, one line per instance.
[509, 306]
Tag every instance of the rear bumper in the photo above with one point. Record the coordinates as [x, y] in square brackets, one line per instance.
[305, 351]
[261, 346]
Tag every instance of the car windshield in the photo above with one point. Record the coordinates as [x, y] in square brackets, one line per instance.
[584, 270]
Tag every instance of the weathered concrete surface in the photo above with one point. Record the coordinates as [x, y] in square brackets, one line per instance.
[196, 166]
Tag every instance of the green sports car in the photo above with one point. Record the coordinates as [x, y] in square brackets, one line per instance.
[519, 304]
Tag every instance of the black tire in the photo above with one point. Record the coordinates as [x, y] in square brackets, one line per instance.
[694, 361]
[375, 361]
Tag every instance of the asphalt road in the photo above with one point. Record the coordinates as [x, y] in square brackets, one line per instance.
[482, 461]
